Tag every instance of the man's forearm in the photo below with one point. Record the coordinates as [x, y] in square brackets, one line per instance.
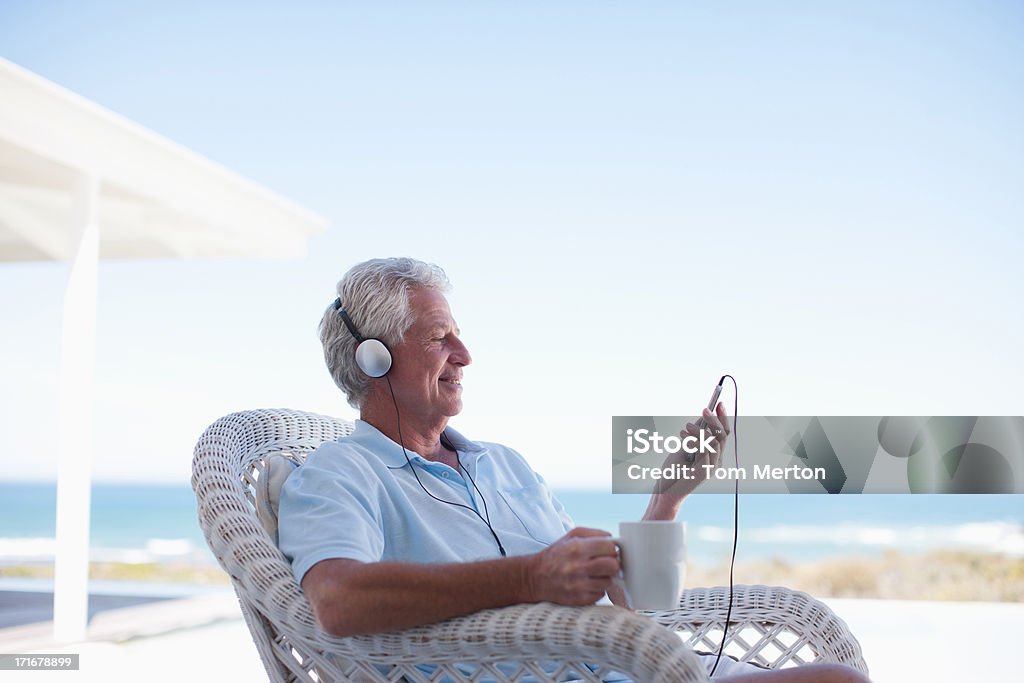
[353, 599]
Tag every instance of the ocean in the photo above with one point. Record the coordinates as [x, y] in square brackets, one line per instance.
[157, 523]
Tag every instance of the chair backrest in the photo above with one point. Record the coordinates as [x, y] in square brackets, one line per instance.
[227, 467]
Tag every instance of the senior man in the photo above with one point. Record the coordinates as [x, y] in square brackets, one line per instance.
[406, 522]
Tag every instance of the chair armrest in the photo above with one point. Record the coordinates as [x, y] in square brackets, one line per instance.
[771, 625]
[615, 638]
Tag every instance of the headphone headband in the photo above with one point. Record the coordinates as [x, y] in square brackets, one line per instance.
[348, 321]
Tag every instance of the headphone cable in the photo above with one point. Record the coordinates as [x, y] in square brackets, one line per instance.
[401, 441]
[735, 518]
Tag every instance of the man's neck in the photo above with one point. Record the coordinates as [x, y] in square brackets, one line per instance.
[416, 436]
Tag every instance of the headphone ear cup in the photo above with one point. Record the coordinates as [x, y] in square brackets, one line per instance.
[373, 357]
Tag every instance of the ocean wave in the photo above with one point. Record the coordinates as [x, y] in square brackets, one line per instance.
[1006, 538]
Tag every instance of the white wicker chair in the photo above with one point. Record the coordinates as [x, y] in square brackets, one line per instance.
[771, 626]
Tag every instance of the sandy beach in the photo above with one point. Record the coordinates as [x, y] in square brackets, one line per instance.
[204, 638]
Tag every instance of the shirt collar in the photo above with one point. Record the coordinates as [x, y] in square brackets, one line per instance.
[390, 453]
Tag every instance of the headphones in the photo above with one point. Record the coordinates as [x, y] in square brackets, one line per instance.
[372, 355]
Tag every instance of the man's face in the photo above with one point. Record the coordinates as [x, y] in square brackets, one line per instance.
[427, 370]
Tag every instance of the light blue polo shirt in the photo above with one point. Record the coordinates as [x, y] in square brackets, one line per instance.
[357, 498]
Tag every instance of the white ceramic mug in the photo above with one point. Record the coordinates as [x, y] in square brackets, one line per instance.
[653, 559]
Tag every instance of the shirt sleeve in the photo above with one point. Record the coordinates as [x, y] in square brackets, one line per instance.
[329, 514]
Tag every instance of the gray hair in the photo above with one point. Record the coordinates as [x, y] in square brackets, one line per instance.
[375, 294]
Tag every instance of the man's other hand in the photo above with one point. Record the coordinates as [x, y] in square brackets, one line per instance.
[577, 569]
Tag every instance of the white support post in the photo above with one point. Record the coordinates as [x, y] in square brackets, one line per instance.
[75, 427]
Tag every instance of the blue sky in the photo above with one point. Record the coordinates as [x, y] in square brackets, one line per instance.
[630, 199]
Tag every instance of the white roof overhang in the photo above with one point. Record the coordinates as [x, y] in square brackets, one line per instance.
[156, 198]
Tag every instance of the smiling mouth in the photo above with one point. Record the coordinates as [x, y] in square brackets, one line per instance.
[456, 382]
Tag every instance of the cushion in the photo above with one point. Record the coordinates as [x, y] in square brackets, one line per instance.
[275, 469]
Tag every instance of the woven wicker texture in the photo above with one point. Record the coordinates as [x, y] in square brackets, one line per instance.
[772, 626]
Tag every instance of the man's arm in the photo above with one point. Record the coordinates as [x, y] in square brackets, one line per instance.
[352, 598]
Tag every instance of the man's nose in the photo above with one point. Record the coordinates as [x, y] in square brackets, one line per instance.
[460, 355]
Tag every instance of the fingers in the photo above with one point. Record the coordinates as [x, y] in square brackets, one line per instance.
[602, 568]
[719, 419]
[693, 429]
[583, 543]
[595, 545]
[723, 418]
[718, 430]
[593, 542]
[586, 532]
[714, 422]
[595, 577]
